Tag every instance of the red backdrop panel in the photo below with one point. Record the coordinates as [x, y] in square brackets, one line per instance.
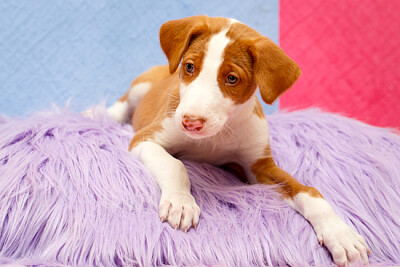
[349, 53]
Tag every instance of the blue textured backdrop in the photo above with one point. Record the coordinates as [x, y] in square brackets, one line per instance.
[89, 51]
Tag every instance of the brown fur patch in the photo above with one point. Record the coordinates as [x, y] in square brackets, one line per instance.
[267, 172]
[274, 72]
[195, 55]
[145, 134]
[237, 61]
[159, 103]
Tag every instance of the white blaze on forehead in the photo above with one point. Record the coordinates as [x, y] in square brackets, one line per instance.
[203, 95]
[214, 57]
[212, 61]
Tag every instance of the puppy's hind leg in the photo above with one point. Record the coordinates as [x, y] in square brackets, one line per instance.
[123, 109]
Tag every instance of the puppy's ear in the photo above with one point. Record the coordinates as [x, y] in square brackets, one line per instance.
[175, 36]
[274, 71]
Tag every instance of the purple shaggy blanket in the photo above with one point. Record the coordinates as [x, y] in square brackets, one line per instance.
[71, 194]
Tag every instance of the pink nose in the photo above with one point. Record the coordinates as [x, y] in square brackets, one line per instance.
[192, 123]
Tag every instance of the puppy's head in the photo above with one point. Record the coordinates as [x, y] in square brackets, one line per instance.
[223, 62]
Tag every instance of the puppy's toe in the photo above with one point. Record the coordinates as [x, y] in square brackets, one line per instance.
[187, 217]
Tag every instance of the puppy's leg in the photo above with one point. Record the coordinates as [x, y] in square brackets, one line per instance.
[177, 205]
[343, 242]
[123, 109]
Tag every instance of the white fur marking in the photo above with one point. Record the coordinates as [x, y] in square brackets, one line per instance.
[234, 21]
[137, 92]
[119, 111]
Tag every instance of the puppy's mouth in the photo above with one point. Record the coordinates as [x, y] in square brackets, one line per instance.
[196, 132]
[200, 124]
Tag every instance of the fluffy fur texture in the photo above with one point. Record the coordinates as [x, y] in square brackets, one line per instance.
[72, 194]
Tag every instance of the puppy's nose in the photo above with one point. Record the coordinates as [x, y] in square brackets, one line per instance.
[193, 123]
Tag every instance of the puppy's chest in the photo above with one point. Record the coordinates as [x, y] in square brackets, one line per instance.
[210, 151]
[219, 149]
[232, 144]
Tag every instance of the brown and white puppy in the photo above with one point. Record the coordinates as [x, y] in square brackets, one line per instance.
[207, 111]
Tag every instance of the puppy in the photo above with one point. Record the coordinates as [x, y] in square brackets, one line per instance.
[207, 110]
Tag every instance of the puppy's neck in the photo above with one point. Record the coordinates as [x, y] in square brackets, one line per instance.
[243, 113]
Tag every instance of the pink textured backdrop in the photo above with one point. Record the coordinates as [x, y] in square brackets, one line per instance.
[349, 52]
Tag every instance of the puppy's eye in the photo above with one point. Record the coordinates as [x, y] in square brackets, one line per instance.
[231, 79]
[189, 68]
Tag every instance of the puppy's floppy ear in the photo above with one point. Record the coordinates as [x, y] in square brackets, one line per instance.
[274, 71]
[175, 36]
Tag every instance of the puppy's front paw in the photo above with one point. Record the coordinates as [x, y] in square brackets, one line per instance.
[180, 210]
[345, 245]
